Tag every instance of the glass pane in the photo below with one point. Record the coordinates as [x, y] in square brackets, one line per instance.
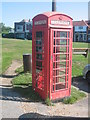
[39, 34]
[39, 64]
[61, 64]
[61, 42]
[39, 56]
[60, 86]
[57, 33]
[62, 49]
[39, 60]
[38, 49]
[62, 79]
[60, 57]
[63, 34]
[39, 42]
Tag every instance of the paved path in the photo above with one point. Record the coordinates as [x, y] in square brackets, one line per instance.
[11, 101]
[14, 106]
[10, 104]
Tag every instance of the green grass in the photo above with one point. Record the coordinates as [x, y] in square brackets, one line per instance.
[80, 45]
[22, 79]
[79, 61]
[28, 93]
[76, 95]
[23, 85]
[48, 102]
[13, 49]
[20, 70]
[78, 64]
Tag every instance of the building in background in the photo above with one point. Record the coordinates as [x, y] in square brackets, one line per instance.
[79, 31]
[23, 29]
[88, 30]
[88, 21]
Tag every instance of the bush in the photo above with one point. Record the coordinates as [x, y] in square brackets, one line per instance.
[8, 35]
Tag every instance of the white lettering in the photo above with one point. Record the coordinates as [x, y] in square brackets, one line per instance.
[41, 22]
[60, 22]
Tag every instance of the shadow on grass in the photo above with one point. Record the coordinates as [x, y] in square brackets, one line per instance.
[27, 93]
[10, 76]
[81, 83]
[23, 94]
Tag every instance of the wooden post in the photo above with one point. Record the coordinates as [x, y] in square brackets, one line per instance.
[27, 62]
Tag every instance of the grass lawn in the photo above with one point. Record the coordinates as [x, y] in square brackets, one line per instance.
[75, 96]
[23, 79]
[13, 49]
[23, 84]
[26, 81]
[79, 61]
[80, 45]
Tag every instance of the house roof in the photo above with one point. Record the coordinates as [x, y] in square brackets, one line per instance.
[79, 23]
[25, 20]
[88, 22]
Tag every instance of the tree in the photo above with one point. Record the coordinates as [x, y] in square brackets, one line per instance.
[4, 29]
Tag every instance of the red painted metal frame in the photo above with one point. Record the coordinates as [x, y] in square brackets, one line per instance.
[40, 91]
[48, 36]
[67, 91]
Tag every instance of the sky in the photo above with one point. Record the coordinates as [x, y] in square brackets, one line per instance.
[16, 11]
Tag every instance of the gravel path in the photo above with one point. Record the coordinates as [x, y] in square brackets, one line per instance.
[14, 106]
[79, 109]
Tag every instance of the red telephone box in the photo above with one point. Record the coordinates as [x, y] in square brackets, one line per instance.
[52, 36]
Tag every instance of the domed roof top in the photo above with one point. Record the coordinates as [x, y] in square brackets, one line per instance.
[49, 14]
